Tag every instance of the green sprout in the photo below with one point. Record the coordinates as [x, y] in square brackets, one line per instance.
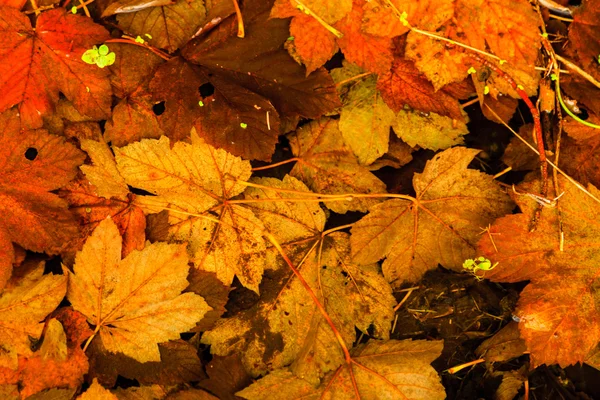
[101, 56]
[478, 264]
[201, 103]
[139, 39]
[243, 125]
[74, 10]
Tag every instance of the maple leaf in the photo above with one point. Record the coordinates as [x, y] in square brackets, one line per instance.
[328, 166]
[193, 179]
[381, 370]
[33, 163]
[559, 322]
[91, 209]
[141, 293]
[442, 224]
[429, 131]
[227, 375]
[404, 84]
[103, 174]
[37, 64]
[22, 307]
[365, 119]
[294, 330]
[97, 392]
[259, 64]
[515, 40]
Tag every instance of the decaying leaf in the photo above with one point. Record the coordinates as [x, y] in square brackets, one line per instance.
[294, 330]
[142, 292]
[441, 226]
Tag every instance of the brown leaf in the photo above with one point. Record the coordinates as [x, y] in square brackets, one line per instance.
[261, 65]
[226, 376]
[505, 345]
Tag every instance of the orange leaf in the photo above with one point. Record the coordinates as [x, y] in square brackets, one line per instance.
[369, 52]
[313, 43]
[557, 310]
[33, 164]
[37, 64]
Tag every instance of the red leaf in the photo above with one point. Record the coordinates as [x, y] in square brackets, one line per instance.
[37, 64]
[404, 84]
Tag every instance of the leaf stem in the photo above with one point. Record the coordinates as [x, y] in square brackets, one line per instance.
[294, 159]
[240, 20]
[313, 296]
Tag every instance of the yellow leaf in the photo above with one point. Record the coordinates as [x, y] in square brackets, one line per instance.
[22, 307]
[441, 227]
[103, 174]
[97, 392]
[134, 303]
[54, 345]
[391, 369]
[193, 177]
[433, 131]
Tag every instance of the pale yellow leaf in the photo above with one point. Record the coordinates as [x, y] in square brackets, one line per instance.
[442, 226]
[103, 174]
[429, 131]
[97, 392]
[134, 303]
[54, 345]
[365, 119]
[22, 310]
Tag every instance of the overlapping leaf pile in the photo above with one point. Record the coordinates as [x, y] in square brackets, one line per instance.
[140, 177]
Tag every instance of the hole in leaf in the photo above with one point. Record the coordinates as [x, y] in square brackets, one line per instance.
[31, 153]
[158, 108]
[206, 90]
[584, 114]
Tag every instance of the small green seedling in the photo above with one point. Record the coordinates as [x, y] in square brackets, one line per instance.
[478, 264]
[101, 56]
[74, 10]
[243, 125]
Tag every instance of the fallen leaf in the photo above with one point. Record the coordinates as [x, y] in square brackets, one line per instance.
[312, 42]
[103, 174]
[294, 330]
[326, 165]
[261, 65]
[390, 369]
[404, 84]
[441, 226]
[22, 307]
[37, 64]
[226, 376]
[559, 322]
[429, 130]
[33, 164]
[97, 392]
[365, 119]
[141, 293]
